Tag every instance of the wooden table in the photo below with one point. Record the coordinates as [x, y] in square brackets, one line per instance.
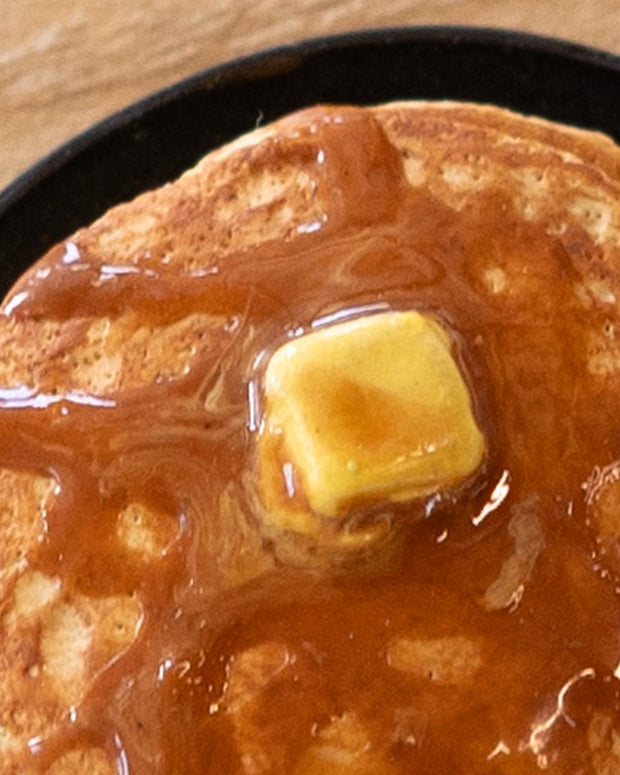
[65, 64]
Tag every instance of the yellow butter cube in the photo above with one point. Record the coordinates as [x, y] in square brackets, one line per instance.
[373, 408]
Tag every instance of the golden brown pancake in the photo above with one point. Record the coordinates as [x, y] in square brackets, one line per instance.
[310, 460]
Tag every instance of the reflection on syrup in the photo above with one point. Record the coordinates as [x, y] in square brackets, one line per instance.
[16, 300]
[498, 495]
[27, 398]
[542, 730]
[71, 253]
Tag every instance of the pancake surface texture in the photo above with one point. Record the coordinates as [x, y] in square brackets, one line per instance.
[310, 460]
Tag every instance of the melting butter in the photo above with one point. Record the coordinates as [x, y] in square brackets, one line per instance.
[373, 408]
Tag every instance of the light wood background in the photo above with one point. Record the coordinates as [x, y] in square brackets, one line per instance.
[65, 64]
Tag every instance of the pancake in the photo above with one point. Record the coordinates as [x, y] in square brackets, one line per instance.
[310, 460]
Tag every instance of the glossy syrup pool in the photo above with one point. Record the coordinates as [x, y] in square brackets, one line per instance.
[505, 562]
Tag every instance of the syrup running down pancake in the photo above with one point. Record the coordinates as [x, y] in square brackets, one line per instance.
[310, 460]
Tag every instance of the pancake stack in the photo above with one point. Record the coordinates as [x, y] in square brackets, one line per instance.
[310, 460]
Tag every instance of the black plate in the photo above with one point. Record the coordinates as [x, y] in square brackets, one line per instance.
[157, 138]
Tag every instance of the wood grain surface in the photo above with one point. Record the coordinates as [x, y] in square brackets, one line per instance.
[65, 64]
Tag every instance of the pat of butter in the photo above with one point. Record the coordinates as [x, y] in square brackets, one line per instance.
[374, 408]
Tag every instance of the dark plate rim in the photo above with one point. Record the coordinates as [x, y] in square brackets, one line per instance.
[250, 67]
[156, 138]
